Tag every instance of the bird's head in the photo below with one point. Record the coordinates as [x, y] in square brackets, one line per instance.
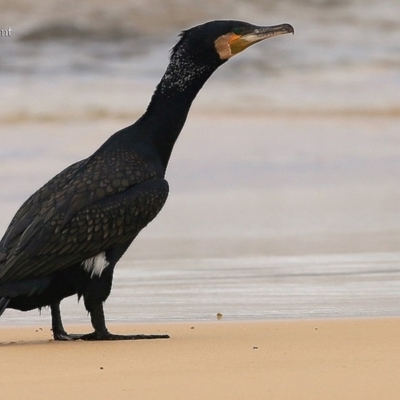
[223, 39]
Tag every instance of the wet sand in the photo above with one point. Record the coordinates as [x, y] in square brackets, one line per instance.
[313, 359]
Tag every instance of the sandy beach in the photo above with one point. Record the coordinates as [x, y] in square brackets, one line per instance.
[311, 359]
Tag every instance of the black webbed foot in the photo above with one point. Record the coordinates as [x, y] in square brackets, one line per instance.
[101, 332]
[59, 332]
[64, 336]
[95, 336]
[110, 336]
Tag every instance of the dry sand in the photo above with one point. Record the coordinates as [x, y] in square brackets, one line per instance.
[316, 359]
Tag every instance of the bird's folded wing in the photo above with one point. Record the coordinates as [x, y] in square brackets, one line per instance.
[114, 220]
[87, 185]
[32, 206]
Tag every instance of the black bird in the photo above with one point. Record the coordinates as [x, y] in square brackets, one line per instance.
[68, 236]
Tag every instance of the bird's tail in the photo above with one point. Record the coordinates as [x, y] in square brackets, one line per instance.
[3, 304]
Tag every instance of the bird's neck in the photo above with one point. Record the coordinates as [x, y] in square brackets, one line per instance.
[171, 101]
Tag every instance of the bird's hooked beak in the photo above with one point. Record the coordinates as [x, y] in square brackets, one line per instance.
[235, 42]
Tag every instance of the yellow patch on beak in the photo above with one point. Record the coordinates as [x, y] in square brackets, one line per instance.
[238, 44]
[233, 37]
[231, 44]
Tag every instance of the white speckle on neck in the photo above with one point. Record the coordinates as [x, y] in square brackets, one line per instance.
[181, 72]
[96, 265]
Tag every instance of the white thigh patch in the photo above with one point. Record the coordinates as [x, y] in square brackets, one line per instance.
[96, 264]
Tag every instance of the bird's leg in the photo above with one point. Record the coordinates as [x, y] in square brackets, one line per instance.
[101, 331]
[59, 332]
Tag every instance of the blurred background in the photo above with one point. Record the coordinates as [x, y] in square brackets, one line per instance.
[87, 58]
[291, 150]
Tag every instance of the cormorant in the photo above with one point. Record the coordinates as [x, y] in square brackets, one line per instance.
[68, 236]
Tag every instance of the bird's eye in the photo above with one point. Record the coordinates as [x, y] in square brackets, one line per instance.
[237, 31]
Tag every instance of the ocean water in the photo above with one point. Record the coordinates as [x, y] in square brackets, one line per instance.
[87, 59]
[242, 289]
[284, 184]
